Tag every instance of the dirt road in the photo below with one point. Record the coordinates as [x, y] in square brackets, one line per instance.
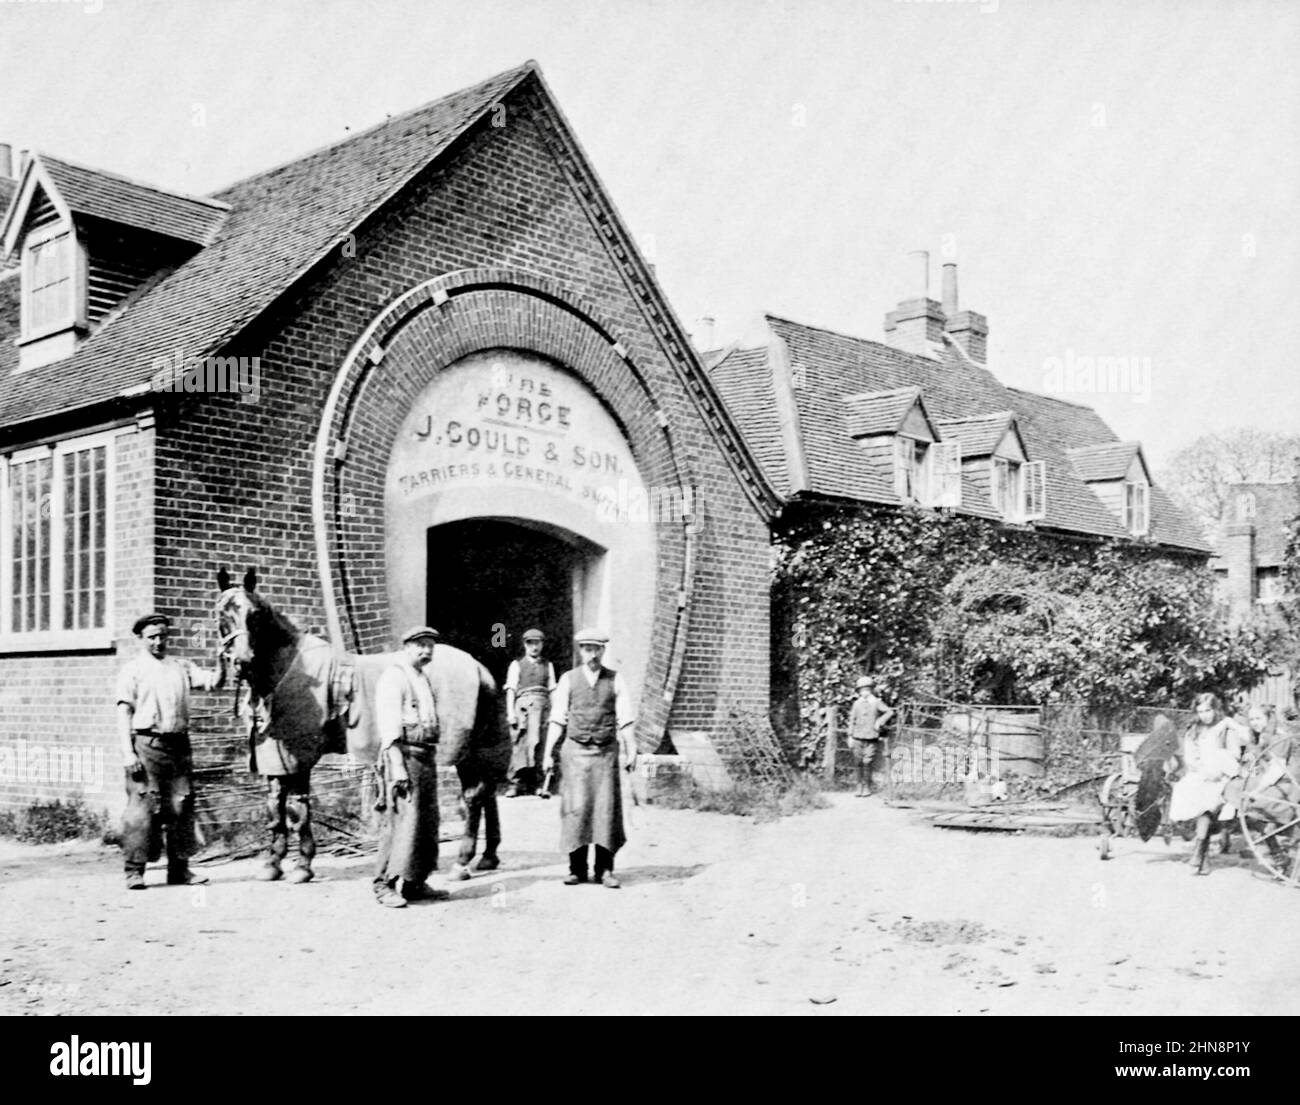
[859, 908]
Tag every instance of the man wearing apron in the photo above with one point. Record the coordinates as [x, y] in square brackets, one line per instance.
[591, 709]
[529, 683]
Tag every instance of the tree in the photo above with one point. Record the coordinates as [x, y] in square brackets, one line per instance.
[1198, 476]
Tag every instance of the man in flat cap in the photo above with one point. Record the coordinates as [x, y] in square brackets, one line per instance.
[529, 683]
[866, 719]
[592, 710]
[407, 723]
[153, 721]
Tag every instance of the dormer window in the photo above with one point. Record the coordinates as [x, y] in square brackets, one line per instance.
[911, 470]
[1019, 489]
[49, 282]
[1137, 518]
[928, 472]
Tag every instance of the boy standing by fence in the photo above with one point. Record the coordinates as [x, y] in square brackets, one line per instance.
[867, 717]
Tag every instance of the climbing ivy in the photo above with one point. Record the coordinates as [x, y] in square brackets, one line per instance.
[959, 607]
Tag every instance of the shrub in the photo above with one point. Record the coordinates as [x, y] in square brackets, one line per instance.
[52, 822]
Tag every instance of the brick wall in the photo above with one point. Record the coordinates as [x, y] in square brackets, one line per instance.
[234, 478]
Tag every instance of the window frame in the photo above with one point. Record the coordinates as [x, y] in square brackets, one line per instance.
[1127, 509]
[1017, 496]
[917, 466]
[75, 317]
[56, 637]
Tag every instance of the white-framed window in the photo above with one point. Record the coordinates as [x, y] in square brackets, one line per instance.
[52, 281]
[910, 469]
[56, 556]
[1019, 491]
[1136, 509]
[1007, 488]
[1035, 490]
[945, 473]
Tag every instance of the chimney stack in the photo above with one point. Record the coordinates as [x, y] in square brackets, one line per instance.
[969, 329]
[6, 161]
[916, 325]
[1238, 551]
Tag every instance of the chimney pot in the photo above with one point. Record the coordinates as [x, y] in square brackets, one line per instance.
[6, 160]
[923, 268]
[704, 333]
[950, 288]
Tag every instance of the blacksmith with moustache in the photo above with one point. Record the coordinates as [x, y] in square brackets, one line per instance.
[592, 710]
[153, 718]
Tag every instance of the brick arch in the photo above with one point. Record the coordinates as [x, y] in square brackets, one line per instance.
[425, 330]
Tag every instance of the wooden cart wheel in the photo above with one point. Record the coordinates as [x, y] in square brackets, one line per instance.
[1270, 815]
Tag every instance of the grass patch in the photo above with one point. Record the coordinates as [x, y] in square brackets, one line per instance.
[761, 801]
[53, 822]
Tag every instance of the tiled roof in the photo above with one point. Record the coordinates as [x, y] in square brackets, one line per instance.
[1103, 462]
[282, 222]
[879, 412]
[7, 189]
[978, 436]
[744, 379]
[960, 396]
[1051, 427]
[130, 203]
[1276, 506]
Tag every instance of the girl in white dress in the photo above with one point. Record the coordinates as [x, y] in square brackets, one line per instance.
[1212, 748]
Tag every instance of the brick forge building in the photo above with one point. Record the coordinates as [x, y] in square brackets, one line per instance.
[420, 375]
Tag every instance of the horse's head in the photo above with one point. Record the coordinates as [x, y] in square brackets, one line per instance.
[237, 611]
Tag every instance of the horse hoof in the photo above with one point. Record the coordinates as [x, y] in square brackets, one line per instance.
[300, 874]
[270, 872]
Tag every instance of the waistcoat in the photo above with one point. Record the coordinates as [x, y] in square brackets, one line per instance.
[591, 709]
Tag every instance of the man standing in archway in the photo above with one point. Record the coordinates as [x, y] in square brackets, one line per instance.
[592, 710]
[529, 683]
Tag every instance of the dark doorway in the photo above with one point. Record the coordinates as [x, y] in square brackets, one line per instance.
[489, 581]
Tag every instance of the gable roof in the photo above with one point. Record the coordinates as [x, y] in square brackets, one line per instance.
[126, 202]
[879, 412]
[963, 399]
[980, 436]
[263, 246]
[1110, 461]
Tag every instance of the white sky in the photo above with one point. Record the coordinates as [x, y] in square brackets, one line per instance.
[1115, 177]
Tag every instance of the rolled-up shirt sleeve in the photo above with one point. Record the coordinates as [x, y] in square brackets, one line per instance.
[560, 701]
[623, 713]
[388, 707]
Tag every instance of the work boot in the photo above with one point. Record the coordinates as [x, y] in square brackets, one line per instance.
[390, 898]
[423, 892]
[487, 863]
[186, 878]
[608, 879]
[573, 880]
[270, 871]
[135, 880]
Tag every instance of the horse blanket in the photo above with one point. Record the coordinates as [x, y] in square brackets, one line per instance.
[305, 714]
[472, 726]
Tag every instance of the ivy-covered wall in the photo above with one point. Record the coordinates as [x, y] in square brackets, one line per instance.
[936, 603]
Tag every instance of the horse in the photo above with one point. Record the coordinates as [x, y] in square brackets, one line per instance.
[305, 698]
